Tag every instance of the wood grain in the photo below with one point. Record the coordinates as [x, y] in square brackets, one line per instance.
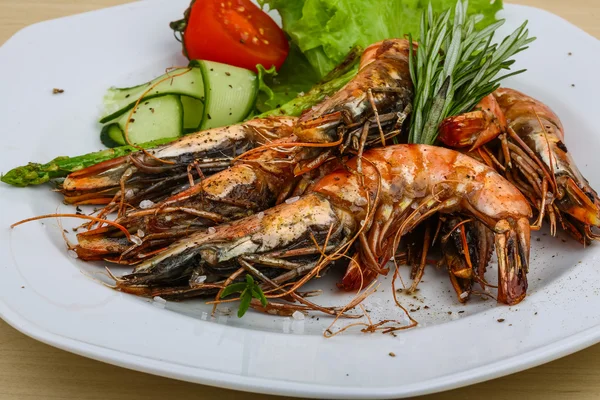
[32, 370]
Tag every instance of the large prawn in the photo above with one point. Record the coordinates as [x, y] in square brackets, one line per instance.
[154, 174]
[533, 156]
[381, 95]
[400, 186]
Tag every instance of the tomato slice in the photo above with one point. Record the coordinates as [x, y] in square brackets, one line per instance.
[234, 32]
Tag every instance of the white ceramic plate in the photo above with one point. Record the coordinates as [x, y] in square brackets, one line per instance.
[56, 299]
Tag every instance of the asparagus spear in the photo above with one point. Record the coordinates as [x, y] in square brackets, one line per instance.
[36, 174]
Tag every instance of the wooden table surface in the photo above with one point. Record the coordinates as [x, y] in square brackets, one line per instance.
[29, 369]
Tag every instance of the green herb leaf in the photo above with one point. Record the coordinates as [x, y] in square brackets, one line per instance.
[233, 288]
[245, 299]
[249, 289]
[258, 294]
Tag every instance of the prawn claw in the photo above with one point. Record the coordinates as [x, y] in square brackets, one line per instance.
[475, 128]
[512, 246]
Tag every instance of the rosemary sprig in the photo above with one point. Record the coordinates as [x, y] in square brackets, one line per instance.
[454, 66]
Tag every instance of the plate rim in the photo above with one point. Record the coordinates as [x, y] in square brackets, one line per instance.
[529, 359]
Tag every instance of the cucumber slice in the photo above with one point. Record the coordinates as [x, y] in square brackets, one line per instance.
[118, 100]
[229, 93]
[157, 118]
[112, 135]
[193, 111]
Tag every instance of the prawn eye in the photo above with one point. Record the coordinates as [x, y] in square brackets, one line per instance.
[562, 146]
[590, 196]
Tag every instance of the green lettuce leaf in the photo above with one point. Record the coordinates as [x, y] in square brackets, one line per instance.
[325, 30]
[296, 75]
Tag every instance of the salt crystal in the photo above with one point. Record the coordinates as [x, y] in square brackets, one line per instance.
[292, 200]
[212, 230]
[135, 240]
[260, 215]
[141, 233]
[72, 254]
[200, 279]
[159, 299]
[129, 193]
[297, 315]
[362, 222]
[298, 327]
[145, 204]
[464, 295]
[168, 218]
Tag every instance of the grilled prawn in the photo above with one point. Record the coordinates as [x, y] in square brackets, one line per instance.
[545, 161]
[401, 186]
[534, 157]
[153, 174]
[380, 95]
